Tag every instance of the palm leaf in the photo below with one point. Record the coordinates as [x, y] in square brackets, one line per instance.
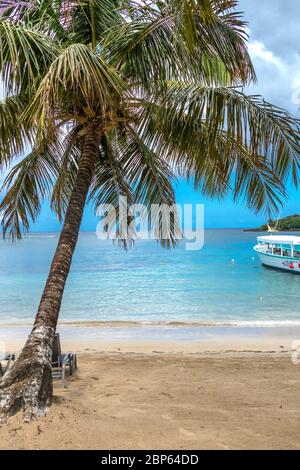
[152, 181]
[215, 28]
[92, 19]
[81, 83]
[25, 55]
[218, 161]
[181, 39]
[27, 184]
[110, 187]
[264, 129]
[15, 135]
[44, 14]
[68, 163]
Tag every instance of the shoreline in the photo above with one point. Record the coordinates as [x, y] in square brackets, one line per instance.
[165, 339]
[167, 323]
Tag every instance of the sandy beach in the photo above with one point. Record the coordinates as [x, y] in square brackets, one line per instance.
[229, 392]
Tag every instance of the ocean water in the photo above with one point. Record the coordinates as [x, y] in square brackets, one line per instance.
[151, 284]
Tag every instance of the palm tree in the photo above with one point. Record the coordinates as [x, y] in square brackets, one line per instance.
[120, 97]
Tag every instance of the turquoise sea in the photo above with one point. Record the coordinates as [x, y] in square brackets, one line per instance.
[151, 284]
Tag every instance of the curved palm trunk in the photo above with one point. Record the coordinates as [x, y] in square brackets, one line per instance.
[28, 385]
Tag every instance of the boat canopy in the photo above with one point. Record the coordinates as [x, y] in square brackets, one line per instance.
[280, 240]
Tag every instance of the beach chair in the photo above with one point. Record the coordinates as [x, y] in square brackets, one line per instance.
[9, 358]
[61, 361]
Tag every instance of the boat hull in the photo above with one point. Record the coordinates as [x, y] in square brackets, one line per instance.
[279, 262]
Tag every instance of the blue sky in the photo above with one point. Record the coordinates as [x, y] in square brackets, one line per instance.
[274, 46]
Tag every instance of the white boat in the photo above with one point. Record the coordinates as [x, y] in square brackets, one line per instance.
[279, 252]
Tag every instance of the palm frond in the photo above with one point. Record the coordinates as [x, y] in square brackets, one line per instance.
[14, 9]
[258, 185]
[213, 155]
[92, 19]
[217, 29]
[261, 127]
[152, 180]
[26, 185]
[47, 15]
[175, 40]
[25, 55]
[68, 163]
[110, 187]
[78, 85]
[15, 135]
[144, 49]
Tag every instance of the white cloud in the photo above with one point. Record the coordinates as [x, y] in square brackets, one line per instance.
[296, 91]
[278, 76]
[273, 28]
[258, 50]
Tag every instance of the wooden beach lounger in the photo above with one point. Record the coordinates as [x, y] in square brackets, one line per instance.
[60, 361]
[9, 358]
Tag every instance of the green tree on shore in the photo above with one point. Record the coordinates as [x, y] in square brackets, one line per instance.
[119, 98]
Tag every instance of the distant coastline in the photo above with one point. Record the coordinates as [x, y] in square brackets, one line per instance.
[260, 230]
[290, 223]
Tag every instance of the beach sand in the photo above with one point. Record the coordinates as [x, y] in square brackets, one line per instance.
[187, 399]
